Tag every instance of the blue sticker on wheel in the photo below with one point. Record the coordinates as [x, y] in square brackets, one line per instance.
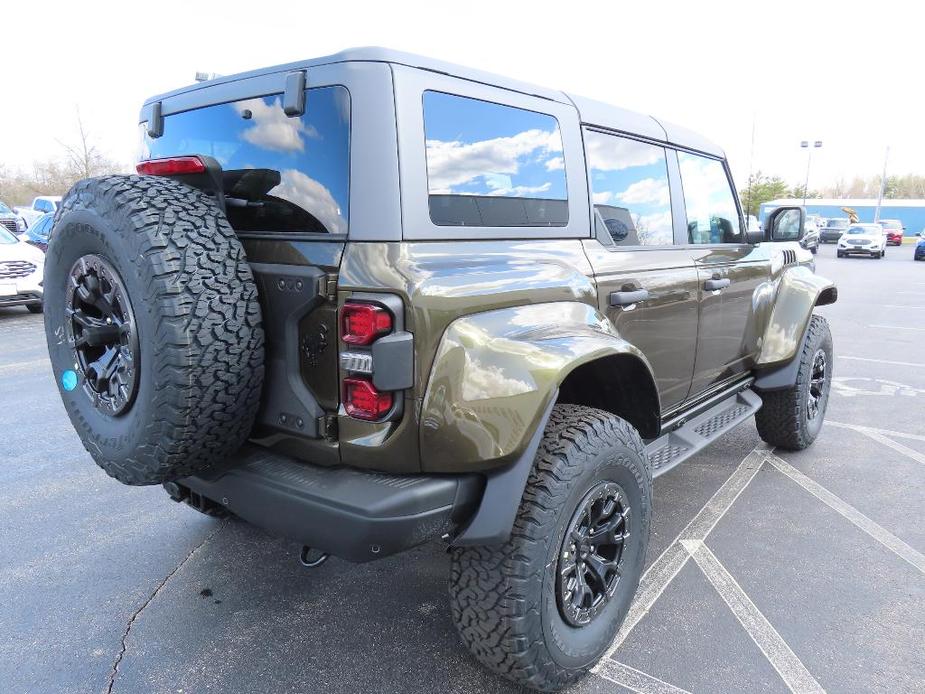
[69, 380]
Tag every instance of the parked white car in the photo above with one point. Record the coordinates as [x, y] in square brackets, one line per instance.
[21, 268]
[41, 205]
[862, 239]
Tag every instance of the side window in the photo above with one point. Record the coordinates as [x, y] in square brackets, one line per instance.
[279, 174]
[492, 165]
[629, 189]
[712, 215]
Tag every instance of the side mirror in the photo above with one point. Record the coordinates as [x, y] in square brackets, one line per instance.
[786, 224]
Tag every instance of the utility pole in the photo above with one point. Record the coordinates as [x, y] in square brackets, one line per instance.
[809, 159]
[882, 185]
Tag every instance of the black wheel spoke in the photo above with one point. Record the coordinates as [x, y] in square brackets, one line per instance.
[102, 331]
[592, 552]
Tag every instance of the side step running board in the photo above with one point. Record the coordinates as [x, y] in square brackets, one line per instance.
[673, 448]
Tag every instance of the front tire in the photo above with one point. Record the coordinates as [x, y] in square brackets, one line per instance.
[34, 308]
[543, 608]
[792, 418]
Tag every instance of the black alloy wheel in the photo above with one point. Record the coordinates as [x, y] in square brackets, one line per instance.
[103, 332]
[817, 379]
[591, 554]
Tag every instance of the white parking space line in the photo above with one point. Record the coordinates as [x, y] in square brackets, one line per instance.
[897, 327]
[672, 560]
[762, 632]
[879, 361]
[882, 432]
[884, 537]
[896, 306]
[636, 681]
[898, 447]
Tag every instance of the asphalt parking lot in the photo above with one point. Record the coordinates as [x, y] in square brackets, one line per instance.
[768, 571]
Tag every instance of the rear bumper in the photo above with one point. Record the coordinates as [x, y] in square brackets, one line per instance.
[349, 513]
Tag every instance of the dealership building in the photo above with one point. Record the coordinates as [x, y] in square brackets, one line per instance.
[910, 212]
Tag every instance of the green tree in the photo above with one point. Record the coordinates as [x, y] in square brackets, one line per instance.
[761, 189]
[797, 192]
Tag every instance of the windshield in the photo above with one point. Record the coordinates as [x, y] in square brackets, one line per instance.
[7, 237]
[890, 224]
[862, 230]
[4, 208]
[836, 223]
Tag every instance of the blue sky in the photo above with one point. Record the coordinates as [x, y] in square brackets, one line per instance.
[480, 148]
[311, 153]
[632, 175]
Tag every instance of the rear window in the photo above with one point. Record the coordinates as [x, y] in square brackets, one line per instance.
[492, 165]
[279, 174]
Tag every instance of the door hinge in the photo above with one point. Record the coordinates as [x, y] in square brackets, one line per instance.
[327, 287]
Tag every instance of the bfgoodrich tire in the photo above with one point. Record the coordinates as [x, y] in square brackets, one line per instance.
[153, 327]
[791, 418]
[520, 607]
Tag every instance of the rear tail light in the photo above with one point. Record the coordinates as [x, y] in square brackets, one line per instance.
[363, 323]
[363, 401]
[171, 166]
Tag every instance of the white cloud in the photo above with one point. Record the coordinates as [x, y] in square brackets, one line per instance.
[456, 163]
[555, 164]
[602, 198]
[310, 195]
[521, 191]
[647, 191]
[272, 128]
[608, 153]
[654, 227]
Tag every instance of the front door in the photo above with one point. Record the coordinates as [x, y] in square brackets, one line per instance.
[730, 272]
[647, 286]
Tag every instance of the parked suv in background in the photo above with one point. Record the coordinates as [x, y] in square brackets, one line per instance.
[11, 221]
[833, 230]
[44, 204]
[862, 239]
[21, 268]
[372, 299]
[893, 228]
[810, 240]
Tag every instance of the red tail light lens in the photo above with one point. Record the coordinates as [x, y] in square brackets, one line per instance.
[363, 401]
[363, 323]
[171, 166]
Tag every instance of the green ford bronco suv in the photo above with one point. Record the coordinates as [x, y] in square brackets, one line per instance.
[372, 300]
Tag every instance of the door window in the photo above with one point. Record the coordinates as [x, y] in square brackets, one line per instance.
[492, 165]
[630, 191]
[712, 215]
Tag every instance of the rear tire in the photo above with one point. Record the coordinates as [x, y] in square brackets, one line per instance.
[509, 604]
[792, 418]
[153, 327]
[34, 308]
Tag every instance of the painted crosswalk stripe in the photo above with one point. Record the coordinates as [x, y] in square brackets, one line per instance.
[672, 560]
[635, 680]
[882, 432]
[762, 632]
[880, 534]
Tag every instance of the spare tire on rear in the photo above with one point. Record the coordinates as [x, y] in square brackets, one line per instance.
[153, 327]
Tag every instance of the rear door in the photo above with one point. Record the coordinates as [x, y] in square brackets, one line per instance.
[285, 184]
[647, 285]
[729, 272]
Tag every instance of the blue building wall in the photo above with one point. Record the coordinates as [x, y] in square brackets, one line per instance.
[913, 218]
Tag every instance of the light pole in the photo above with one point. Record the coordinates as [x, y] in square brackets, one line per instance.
[809, 159]
[882, 186]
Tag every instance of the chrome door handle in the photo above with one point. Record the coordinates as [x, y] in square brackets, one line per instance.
[714, 284]
[627, 298]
